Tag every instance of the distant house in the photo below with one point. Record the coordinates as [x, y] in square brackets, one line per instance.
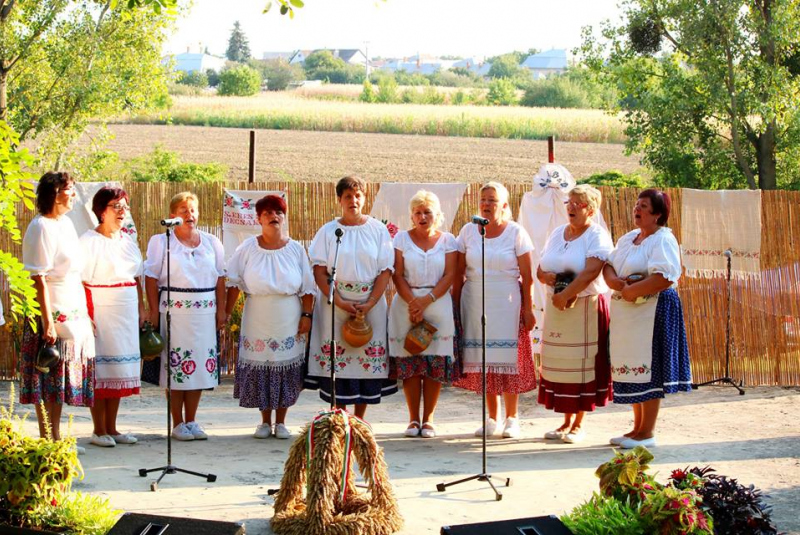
[191, 62]
[476, 65]
[353, 56]
[547, 63]
[419, 64]
[285, 56]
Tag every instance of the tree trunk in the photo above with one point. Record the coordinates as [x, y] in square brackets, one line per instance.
[765, 156]
[3, 92]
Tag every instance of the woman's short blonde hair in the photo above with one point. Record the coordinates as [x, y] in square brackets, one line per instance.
[588, 194]
[181, 198]
[502, 194]
[430, 200]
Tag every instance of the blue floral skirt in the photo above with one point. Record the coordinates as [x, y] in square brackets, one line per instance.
[265, 388]
[671, 369]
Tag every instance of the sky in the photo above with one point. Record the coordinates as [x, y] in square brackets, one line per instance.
[393, 28]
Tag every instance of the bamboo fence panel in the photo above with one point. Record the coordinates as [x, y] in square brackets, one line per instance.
[763, 351]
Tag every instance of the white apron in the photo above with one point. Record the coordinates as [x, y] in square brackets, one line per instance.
[439, 314]
[569, 342]
[503, 303]
[366, 362]
[269, 332]
[193, 344]
[68, 308]
[631, 337]
[118, 360]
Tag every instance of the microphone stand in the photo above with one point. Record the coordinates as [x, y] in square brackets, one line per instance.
[170, 468]
[331, 288]
[726, 379]
[483, 475]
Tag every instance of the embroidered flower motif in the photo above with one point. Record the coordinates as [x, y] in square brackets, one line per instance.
[211, 365]
[188, 367]
[391, 227]
[259, 345]
[174, 358]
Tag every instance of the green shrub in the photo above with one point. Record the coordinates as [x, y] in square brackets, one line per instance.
[166, 166]
[459, 98]
[182, 90]
[387, 91]
[615, 179]
[213, 77]
[240, 81]
[502, 92]
[430, 95]
[555, 92]
[368, 93]
[277, 73]
[194, 79]
[603, 515]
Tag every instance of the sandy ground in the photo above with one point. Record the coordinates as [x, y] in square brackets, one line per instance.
[754, 438]
[327, 156]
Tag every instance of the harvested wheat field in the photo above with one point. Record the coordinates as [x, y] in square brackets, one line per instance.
[327, 156]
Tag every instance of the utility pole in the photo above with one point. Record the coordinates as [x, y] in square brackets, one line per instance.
[366, 63]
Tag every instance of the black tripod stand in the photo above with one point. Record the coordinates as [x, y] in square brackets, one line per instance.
[170, 468]
[726, 379]
[483, 475]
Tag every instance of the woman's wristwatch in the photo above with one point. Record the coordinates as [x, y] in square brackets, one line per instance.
[308, 315]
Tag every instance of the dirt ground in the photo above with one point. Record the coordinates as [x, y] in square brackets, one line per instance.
[754, 438]
[327, 156]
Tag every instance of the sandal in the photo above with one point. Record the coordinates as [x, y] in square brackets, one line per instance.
[427, 432]
[412, 431]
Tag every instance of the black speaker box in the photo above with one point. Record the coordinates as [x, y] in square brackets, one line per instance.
[540, 525]
[136, 523]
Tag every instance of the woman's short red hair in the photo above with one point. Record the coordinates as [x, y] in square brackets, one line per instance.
[275, 203]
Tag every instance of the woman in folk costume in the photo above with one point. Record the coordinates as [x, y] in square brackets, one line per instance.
[52, 253]
[649, 352]
[274, 273]
[111, 277]
[509, 315]
[575, 373]
[197, 309]
[425, 265]
[365, 265]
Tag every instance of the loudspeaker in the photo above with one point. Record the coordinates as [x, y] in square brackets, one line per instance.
[136, 523]
[540, 525]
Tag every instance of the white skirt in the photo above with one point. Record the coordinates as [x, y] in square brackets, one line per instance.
[269, 332]
[117, 360]
[503, 303]
[193, 344]
[439, 314]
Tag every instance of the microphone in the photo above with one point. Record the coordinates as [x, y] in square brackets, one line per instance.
[339, 233]
[173, 222]
[727, 253]
[478, 220]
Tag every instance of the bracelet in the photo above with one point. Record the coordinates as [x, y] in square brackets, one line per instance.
[308, 315]
[433, 297]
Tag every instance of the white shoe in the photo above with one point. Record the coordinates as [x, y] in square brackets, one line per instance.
[630, 443]
[491, 427]
[616, 441]
[556, 434]
[80, 450]
[573, 437]
[125, 438]
[104, 441]
[197, 431]
[282, 432]
[181, 432]
[263, 431]
[427, 432]
[412, 430]
[511, 429]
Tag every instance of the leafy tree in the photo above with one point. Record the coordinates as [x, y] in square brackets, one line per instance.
[322, 60]
[277, 73]
[213, 77]
[502, 92]
[368, 93]
[238, 45]
[710, 91]
[387, 91]
[505, 66]
[241, 81]
[64, 63]
[615, 179]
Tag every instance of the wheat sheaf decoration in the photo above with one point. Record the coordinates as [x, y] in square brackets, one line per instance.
[319, 465]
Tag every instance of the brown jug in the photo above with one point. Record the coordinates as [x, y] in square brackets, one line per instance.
[357, 331]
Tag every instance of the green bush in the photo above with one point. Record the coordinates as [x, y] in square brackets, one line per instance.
[502, 92]
[240, 81]
[556, 92]
[213, 77]
[277, 73]
[430, 95]
[603, 515]
[615, 179]
[181, 90]
[166, 166]
[194, 79]
[387, 91]
[368, 93]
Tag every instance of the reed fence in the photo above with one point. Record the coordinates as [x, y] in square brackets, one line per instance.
[765, 312]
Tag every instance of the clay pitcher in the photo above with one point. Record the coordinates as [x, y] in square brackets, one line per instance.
[357, 331]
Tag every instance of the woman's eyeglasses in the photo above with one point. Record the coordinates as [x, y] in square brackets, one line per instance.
[118, 207]
[576, 204]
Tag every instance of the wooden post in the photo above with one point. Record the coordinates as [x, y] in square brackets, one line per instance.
[551, 156]
[251, 172]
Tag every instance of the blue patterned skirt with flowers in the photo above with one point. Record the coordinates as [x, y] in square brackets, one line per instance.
[671, 368]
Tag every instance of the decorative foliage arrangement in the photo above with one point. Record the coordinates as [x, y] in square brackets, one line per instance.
[35, 481]
[696, 501]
